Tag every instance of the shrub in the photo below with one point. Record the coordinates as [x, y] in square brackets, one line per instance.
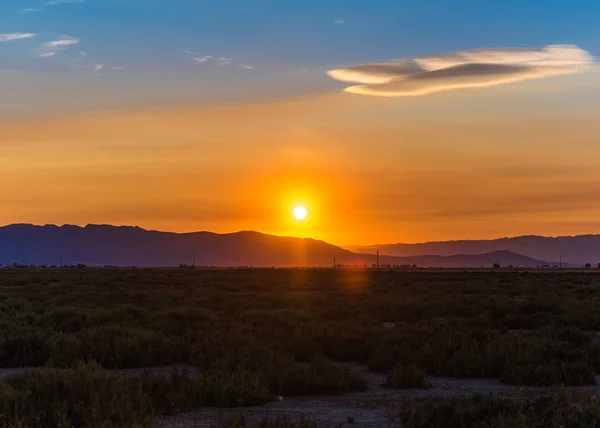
[556, 373]
[62, 319]
[406, 377]
[114, 347]
[551, 409]
[181, 392]
[85, 396]
[25, 347]
[88, 396]
[319, 377]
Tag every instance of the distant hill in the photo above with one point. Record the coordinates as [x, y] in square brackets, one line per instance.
[99, 245]
[503, 258]
[576, 250]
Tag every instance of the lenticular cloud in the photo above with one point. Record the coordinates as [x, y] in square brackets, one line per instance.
[463, 69]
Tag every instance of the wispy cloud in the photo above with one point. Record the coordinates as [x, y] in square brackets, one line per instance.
[224, 60]
[339, 21]
[202, 59]
[30, 10]
[56, 2]
[463, 69]
[220, 61]
[53, 47]
[84, 63]
[62, 43]
[81, 63]
[9, 37]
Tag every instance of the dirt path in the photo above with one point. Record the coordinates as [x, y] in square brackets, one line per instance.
[374, 408]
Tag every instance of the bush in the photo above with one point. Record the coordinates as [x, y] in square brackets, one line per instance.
[26, 347]
[406, 377]
[114, 347]
[569, 374]
[181, 392]
[320, 377]
[88, 396]
[551, 409]
[85, 396]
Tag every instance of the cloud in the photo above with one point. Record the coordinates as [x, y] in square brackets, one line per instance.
[202, 59]
[30, 10]
[224, 60]
[9, 37]
[220, 61]
[57, 2]
[53, 47]
[83, 64]
[62, 42]
[463, 69]
[338, 22]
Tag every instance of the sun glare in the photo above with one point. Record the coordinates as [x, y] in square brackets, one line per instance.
[300, 213]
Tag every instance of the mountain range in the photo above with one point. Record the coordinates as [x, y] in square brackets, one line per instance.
[576, 250]
[99, 245]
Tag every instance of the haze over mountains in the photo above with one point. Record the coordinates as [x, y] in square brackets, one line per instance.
[99, 245]
[576, 250]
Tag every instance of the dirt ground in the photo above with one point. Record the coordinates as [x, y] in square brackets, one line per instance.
[373, 408]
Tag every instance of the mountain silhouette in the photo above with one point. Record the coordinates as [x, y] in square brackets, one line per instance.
[99, 245]
[576, 250]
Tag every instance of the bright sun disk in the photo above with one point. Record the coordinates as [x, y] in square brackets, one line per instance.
[300, 212]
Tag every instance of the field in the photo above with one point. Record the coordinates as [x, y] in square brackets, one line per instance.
[321, 347]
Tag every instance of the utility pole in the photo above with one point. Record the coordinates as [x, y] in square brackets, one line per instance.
[334, 265]
[194, 262]
[560, 263]
[377, 259]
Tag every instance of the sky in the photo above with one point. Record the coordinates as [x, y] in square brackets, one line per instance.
[390, 121]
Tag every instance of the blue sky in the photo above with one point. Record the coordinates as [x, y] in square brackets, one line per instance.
[308, 33]
[123, 53]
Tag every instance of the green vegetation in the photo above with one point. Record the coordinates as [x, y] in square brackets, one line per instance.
[406, 377]
[256, 334]
[320, 377]
[88, 396]
[550, 409]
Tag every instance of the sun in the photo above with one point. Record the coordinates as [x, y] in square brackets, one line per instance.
[300, 213]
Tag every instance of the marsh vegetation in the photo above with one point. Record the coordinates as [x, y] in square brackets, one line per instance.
[254, 335]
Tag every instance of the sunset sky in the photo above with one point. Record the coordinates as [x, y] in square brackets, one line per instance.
[224, 115]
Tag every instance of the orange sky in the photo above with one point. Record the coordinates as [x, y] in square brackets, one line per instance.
[488, 163]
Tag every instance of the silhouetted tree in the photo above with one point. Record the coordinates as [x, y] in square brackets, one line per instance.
[587, 265]
[496, 266]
